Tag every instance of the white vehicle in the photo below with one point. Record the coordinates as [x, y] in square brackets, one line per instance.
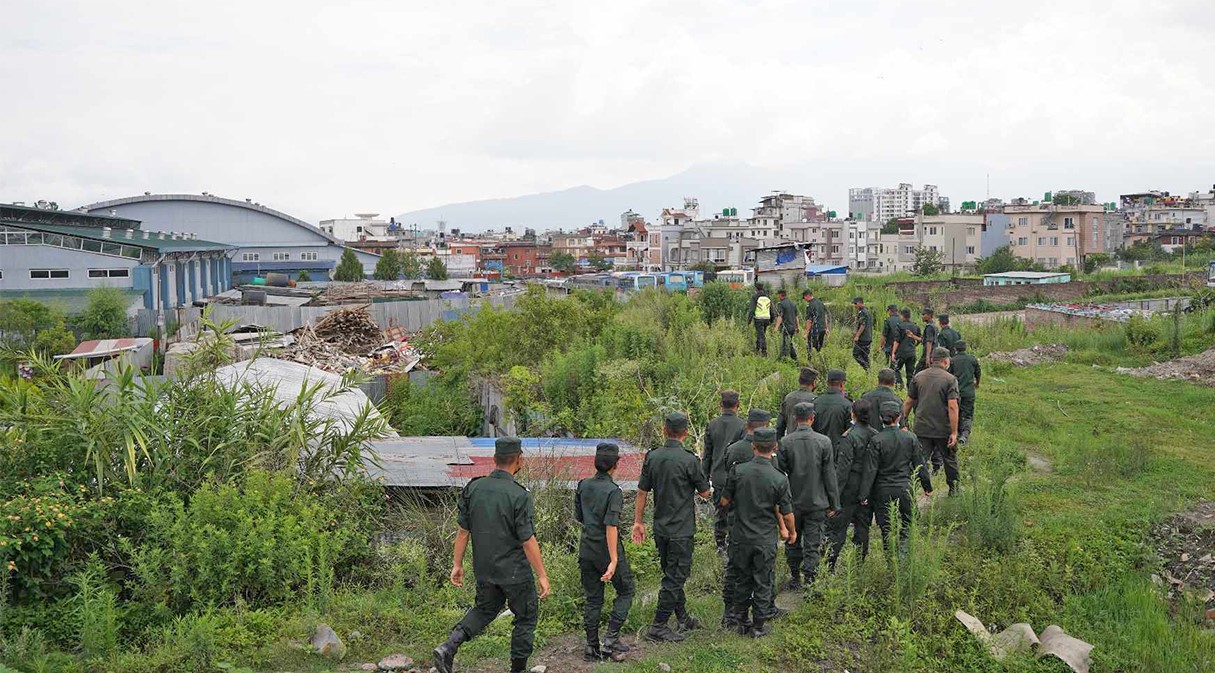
[1211, 274]
[737, 278]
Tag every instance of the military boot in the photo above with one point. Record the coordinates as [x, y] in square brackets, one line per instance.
[687, 622]
[760, 629]
[592, 651]
[611, 639]
[445, 654]
[518, 665]
[661, 633]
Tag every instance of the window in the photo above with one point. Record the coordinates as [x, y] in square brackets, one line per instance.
[281, 256]
[932, 231]
[1071, 240]
[1054, 240]
[1041, 240]
[1022, 221]
[932, 248]
[109, 273]
[1023, 241]
[1069, 223]
[835, 248]
[249, 257]
[48, 274]
[970, 249]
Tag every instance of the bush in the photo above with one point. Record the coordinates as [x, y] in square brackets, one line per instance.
[349, 268]
[105, 317]
[263, 542]
[1141, 333]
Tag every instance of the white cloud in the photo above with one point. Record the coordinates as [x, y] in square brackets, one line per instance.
[319, 108]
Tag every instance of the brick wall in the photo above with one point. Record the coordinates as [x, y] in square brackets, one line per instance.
[943, 294]
[1036, 317]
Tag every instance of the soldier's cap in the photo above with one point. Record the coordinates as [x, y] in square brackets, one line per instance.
[940, 353]
[892, 307]
[507, 446]
[960, 347]
[764, 436]
[891, 408]
[858, 300]
[607, 449]
[758, 416]
[836, 375]
[943, 317]
[676, 421]
[803, 410]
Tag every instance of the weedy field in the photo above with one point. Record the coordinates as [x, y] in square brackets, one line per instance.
[227, 557]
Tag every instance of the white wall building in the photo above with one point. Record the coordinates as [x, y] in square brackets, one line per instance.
[878, 204]
[361, 227]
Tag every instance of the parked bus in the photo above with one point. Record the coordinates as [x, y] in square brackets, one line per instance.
[673, 281]
[737, 278]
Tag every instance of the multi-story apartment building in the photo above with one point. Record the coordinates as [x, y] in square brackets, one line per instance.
[779, 211]
[1057, 235]
[1149, 213]
[877, 204]
[957, 237]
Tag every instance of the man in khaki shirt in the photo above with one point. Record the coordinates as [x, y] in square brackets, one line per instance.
[933, 394]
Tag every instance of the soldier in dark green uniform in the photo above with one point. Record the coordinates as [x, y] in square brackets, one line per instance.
[804, 393]
[720, 433]
[758, 496]
[884, 392]
[933, 394]
[808, 459]
[496, 512]
[965, 368]
[890, 333]
[947, 337]
[739, 452]
[833, 409]
[601, 559]
[675, 476]
[862, 336]
[850, 458]
[893, 455]
[928, 340]
[816, 323]
[904, 348]
[787, 324]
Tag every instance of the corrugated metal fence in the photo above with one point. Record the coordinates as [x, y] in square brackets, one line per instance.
[408, 315]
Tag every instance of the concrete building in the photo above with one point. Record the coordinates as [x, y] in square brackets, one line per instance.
[1057, 235]
[49, 255]
[265, 239]
[878, 204]
[361, 227]
[779, 211]
[957, 237]
[1148, 213]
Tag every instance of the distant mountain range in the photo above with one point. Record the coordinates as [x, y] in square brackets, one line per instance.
[716, 186]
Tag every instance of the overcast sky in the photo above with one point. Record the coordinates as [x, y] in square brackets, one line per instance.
[324, 109]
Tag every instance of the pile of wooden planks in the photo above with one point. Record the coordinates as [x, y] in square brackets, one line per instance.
[351, 330]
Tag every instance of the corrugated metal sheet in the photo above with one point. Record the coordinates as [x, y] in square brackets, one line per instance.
[98, 348]
[436, 462]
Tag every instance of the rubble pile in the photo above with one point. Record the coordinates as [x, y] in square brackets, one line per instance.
[1186, 545]
[1035, 355]
[349, 339]
[1197, 368]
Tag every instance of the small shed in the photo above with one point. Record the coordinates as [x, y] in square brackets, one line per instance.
[101, 358]
[1026, 278]
[832, 275]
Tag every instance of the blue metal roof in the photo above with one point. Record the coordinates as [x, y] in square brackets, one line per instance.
[819, 269]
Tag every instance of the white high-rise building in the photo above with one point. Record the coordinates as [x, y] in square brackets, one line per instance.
[879, 204]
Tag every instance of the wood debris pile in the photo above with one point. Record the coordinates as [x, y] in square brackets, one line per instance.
[351, 329]
[349, 339]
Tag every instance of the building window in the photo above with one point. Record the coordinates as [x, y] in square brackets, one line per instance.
[109, 273]
[308, 256]
[1069, 223]
[251, 257]
[281, 256]
[1071, 240]
[1041, 240]
[1054, 240]
[48, 274]
[970, 249]
[1022, 221]
[1023, 240]
[835, 248]
[932, 231]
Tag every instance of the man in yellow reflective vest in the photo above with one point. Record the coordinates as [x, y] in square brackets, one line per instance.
[762, 313]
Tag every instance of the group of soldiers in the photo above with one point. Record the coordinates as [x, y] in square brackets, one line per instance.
[827, 464]
[899, 340]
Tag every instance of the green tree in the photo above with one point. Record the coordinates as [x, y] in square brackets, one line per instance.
[930, 209]
[411, 266]
[22, 319]
[891, 226]
[303, 276]
[436, 269]
[105, 317]
[349, 268]
[703, 265]
[563, 262]
[1096, 261]
[1002, 260]
[928, 262]
[54, 340]
[388, 267]
[597, 261]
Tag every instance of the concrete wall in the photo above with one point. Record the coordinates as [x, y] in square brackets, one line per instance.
[17, 260]
[1036, 318]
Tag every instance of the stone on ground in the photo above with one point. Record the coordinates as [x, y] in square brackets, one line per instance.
[326, 643]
